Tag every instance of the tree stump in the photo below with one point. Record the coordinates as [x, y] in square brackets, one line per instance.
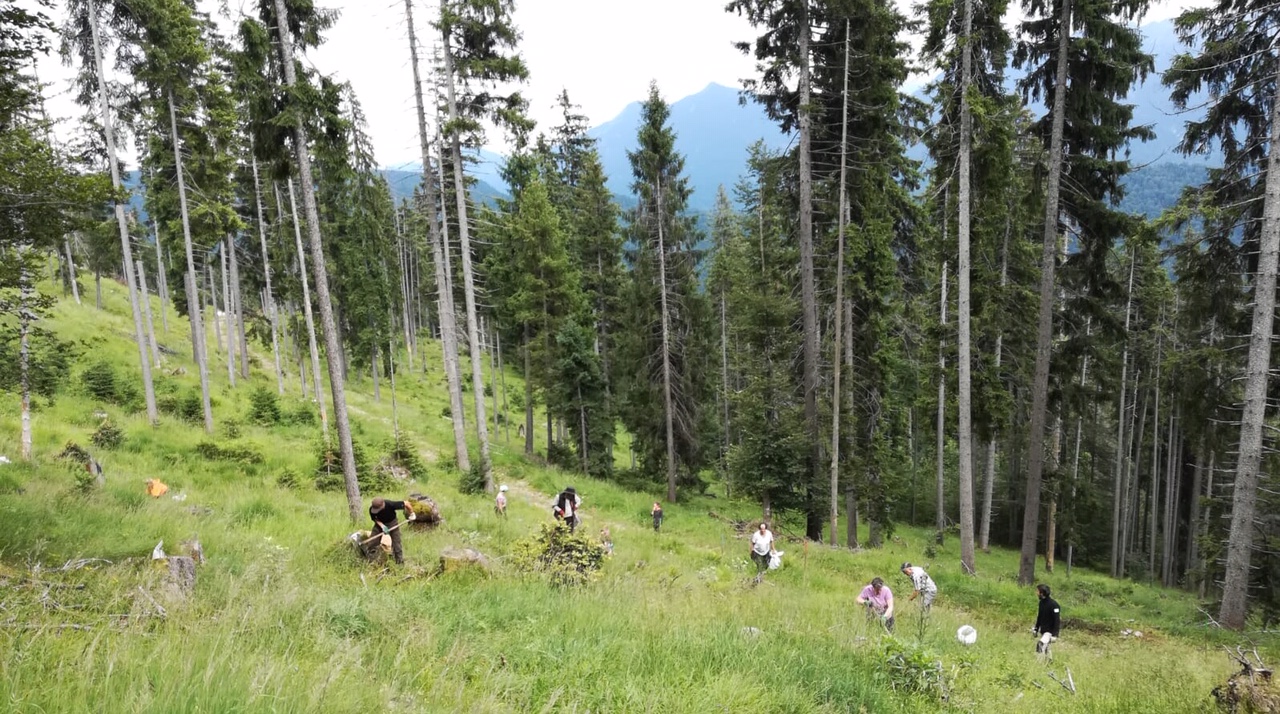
[180, 580]
[426, 512]
[459, 559]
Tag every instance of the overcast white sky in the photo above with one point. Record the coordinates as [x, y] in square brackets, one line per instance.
[604, 52]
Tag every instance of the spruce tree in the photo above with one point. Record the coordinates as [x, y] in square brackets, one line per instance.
[661, 346]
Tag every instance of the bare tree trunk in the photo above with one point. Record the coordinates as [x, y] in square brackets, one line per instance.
[26, 316]
[964, 389]
[940, 513]
[162, 285]
[502, 379]
[1193, 515]
[1204, 524]
[146, 309]
[97, 287]
[270, 300]
[838, 342]
[808, 296]
[71, 270]
[1170, 527]
[218, 344]
[237, 302]
[373, 367]
[437, 234]
[318, 390]
[104, 104]
[332, 351]
[391, 375]
[528, 397]
[989, 480]
[1235, 591]
[1044, 332]
[468, 279]
[228, 313]
[1121, 452]
[493, 386]
[194, 310]
[666, 351]
[1154, 494]
[1051, 523]
[1133, 491]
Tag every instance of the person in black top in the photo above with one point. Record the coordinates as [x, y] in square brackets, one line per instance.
[1048, 620]
[383, 513]
[566, 508]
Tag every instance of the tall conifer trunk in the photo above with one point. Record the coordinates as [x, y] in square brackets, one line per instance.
[468, 279]
[194, 311]
[1044, 330]
[1244, 497]
[837, 342]
[940, 511]
[317, 389]
[808, 294]
[332, 352]
[964, 396]
[269, 299]
[1117, 488]
[439, 248]
[104, 104]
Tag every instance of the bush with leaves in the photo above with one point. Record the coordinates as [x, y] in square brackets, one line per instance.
[108, 435]
[472, 481]
[912, 669]
[566, 558]
[562, 455]
[403, 455]
[264, 407]
[99, 380]
[231, 428]
[304, 415]
[290, 479]
[241, 454]
[329, 471]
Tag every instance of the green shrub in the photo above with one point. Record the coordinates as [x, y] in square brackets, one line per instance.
[446, 412]
[403, 455]
[566, 558]
[329, 471]
[304, 415]
[190, 407]
[241, 454]
[264, 407]
[912, 669]
[562, 455]
[99, 380]
[472, 481]
[107, 435]
[290, 479]
[75, 453]
[231, 428]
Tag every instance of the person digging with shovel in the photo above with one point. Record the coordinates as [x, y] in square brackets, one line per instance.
[383, 513]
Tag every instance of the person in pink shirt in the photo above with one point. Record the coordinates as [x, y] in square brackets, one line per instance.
[879, 599]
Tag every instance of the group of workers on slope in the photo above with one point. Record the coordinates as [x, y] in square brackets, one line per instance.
[878, 599]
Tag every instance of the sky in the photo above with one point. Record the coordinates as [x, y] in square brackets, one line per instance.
[603, 52]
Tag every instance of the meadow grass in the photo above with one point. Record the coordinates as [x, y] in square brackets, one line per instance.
[284, 619]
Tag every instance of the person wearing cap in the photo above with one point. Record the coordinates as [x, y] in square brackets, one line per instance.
[879, 598]
[566, 507]
[656, 512]
[922, 585]
[761, 549]
[1048, 619]
[500, 501]
[383, 513]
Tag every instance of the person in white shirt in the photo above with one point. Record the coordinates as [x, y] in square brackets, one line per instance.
[923, 585]
[761, 549]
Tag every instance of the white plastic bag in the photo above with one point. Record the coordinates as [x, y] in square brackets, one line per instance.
[775, 560]
[966, 635]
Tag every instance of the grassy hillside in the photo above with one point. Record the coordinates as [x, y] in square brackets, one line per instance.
[283, 619]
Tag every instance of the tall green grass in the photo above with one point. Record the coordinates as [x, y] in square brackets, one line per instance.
[284, 619]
